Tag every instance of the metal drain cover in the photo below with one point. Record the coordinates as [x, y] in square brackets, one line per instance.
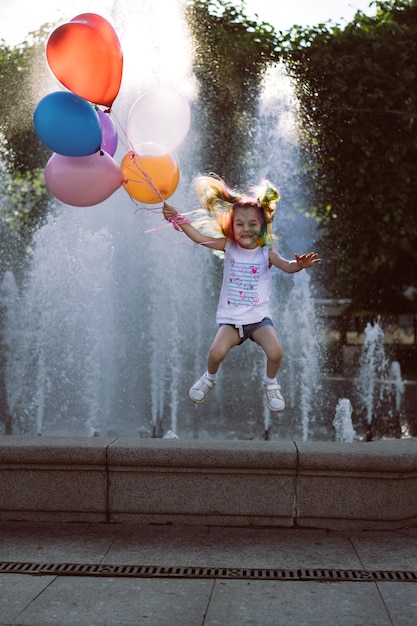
[157, 571]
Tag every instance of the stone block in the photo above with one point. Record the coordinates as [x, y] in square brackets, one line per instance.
[202, 482]
[357, 486]
[45, 478]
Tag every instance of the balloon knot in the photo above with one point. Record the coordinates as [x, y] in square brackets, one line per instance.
[177, 220]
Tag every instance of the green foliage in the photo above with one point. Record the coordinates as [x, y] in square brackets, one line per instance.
[24, 79]
[23, 194]
[357, 89]
[231, 54]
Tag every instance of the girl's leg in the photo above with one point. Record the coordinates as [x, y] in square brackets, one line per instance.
[266, 337]
[226, 338]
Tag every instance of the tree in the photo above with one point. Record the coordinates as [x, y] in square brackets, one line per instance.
[231, 54]
[23, 194]
[357, 91]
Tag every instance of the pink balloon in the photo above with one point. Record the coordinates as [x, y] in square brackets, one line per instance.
[159, 116]
[108, 132]
[83, 181]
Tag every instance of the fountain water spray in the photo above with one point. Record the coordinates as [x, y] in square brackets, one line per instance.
[378, 383]
[342, 421]
[62, 352]
[302, 352]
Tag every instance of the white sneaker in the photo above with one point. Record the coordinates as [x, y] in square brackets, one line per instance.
[274, 399]
[200, 390]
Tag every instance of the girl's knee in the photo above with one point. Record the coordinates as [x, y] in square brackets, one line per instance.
[217, 354]
[274, 353]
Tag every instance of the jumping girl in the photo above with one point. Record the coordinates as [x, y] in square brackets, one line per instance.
[245, 236]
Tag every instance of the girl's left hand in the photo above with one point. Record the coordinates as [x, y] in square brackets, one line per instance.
[307, 260]
[169, 211]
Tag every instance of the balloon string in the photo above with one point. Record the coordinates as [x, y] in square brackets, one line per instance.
[165, 225]
[178, 220]
[119, 124]
[134, 157]
[179, 242]
[128, 147]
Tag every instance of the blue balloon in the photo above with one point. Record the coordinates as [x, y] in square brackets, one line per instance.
[67, 124]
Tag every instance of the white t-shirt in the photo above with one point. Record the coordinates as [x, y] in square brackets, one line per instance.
[246, 283]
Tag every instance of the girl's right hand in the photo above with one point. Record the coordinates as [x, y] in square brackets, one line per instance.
[169, 211]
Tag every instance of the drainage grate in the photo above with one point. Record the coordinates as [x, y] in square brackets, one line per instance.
[156, 571]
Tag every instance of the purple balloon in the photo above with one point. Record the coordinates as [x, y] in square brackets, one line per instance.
[109, 133]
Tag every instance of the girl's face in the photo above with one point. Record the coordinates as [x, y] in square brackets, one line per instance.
[247, 227]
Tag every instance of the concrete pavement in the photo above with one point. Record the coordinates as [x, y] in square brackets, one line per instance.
[235, 596]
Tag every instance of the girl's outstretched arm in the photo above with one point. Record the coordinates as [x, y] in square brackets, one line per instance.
[174, 215]
[301, 261]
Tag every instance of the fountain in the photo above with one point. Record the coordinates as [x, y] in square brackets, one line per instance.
[303, 364]
[343, 421]
[114, 319]
[379, 386]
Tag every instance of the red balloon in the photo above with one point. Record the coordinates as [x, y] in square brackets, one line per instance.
[86, 57]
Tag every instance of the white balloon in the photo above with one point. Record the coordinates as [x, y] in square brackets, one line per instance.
[160, 116]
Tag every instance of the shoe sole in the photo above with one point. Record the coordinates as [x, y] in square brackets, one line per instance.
[196, 401]
[276, 410]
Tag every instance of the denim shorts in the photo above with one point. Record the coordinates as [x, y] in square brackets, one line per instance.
[246, 330]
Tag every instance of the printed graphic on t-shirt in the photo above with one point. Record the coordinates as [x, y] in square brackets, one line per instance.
[243, 283]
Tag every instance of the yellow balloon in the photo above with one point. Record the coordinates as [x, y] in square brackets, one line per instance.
[148, 176]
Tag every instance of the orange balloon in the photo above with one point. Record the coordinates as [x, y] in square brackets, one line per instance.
[149, 178]
[86, 57]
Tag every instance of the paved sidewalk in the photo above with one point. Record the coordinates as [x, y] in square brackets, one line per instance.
[119, 600]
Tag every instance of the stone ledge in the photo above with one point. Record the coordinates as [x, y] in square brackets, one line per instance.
[240, 483]
[357, 486]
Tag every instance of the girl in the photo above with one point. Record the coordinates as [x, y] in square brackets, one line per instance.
[245, 225]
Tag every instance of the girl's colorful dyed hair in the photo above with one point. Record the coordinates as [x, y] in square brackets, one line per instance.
[220, 201]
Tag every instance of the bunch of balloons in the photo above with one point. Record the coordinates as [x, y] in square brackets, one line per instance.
[86, 57]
